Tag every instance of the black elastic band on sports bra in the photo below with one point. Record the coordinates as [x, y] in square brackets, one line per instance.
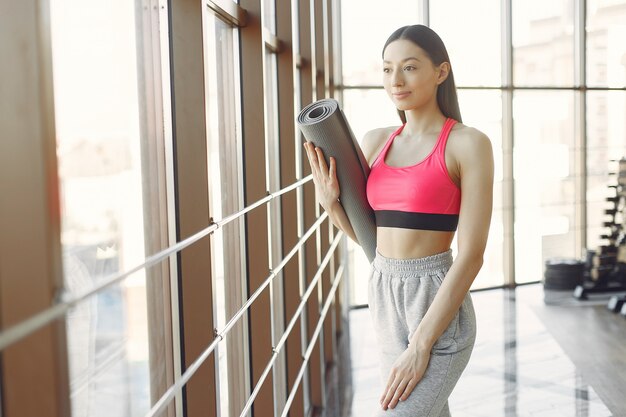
[423, 221]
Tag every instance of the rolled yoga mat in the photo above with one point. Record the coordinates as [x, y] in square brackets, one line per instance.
[324, 124]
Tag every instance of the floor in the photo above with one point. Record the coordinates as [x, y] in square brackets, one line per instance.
[518, 367]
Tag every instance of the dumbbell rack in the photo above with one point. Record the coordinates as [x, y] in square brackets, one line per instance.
[617, 303]
[607, 273]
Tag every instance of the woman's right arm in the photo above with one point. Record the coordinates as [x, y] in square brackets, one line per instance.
[327, 189]
[327, 186]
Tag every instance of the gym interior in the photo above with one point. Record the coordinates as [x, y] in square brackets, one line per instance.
[162, 251]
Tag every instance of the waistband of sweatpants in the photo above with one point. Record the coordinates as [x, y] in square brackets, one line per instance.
[427, 263]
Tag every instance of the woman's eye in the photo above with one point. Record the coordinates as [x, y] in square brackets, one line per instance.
[385, 69]
[409, 67]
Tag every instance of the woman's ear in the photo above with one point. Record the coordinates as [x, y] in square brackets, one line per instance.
[442, 72]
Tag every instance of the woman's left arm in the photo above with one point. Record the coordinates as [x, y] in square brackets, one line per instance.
[475, 162]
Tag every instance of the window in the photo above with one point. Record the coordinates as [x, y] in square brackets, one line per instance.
[474, 50]
[482, 109]
[272, 181]
[102, 197]
[225, 174]
[364, 31]
[543, 43]
[545, 181]
[606, 31]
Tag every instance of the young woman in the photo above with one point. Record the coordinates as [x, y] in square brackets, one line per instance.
[429, 177]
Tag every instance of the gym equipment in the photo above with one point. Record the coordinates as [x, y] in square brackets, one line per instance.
[607, 265]
[563, 274]
[604, 260]
[615, 303]
[323, 123]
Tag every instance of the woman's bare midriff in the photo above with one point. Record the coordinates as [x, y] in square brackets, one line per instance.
[398, 243]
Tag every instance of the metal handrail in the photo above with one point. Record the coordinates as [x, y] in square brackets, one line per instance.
[296, 315]
[273, 273]
[171, 392]
[24, 328]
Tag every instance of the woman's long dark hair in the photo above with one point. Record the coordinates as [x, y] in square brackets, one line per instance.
[431, 43]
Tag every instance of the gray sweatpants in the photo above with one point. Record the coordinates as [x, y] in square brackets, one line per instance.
[400, 291]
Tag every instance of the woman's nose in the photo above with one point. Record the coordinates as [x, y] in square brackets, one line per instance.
[397, 79]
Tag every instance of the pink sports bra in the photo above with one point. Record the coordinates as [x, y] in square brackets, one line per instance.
[419, 196]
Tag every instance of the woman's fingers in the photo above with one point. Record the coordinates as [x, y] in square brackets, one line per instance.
[398, 389]
[318, 163]
[322, 173]
[312, 160]
[333, 168]
[392, 377]
[390, 392]
[321, 162]
[408, 389]
[326, 186]
[398, 394]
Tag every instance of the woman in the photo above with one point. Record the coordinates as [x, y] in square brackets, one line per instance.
[428, 177]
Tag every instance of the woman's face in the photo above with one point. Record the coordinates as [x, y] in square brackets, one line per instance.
[409, 76]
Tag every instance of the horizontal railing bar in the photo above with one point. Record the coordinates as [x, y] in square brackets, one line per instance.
[273, 274]
[184, 378]
[24, 328]
[264, 200]
[259, 384]
[305, 296]
[307, 354]
[28, 326]
[219, 336]
[303, 302]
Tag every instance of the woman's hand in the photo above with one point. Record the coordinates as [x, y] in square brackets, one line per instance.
[325, 179]
[405, 373]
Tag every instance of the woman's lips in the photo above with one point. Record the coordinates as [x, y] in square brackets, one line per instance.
[402, 95]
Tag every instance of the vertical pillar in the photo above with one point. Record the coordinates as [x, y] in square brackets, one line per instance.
[256, 236]
[308, 94]
[508, 182]
[192, 201]
[31, 277]
[290, 148]
[580, 109]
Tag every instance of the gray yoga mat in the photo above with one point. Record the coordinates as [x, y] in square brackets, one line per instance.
[324, 124]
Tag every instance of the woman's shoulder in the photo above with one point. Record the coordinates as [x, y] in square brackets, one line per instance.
[467, 140]
[462, 130]
[374, 140]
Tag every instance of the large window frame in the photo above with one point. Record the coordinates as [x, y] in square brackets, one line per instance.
[181, 294]
[508, 89]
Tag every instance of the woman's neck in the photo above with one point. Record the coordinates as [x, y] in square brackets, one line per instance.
[423, 121]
